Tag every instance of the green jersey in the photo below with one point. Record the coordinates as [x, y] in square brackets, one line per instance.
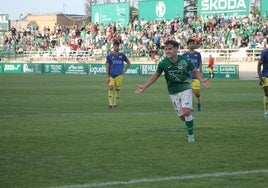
[176, 74]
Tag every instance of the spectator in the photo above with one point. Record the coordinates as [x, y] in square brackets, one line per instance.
[218, 31]
[210, 66]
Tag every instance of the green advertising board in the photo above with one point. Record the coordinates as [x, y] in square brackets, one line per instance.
[134, 69]
[32, 68]
[222, 71]
[160, 10]
[264, 8]
[76, 69]
[96, 69]
[111, 13]
[226, 8]
[53, 68]
[12, 67]
[4, 22]
[148, 69]
[100, 69]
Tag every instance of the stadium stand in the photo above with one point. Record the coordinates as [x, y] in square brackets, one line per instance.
[236, 39]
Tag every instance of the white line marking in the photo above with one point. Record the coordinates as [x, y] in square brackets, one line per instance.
[148, 180]
[80, 114]
[101, 113]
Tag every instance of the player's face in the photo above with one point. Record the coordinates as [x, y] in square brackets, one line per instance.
[171, 51]
[116, 48]
[191, 45]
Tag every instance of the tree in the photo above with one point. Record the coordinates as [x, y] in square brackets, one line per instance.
[88, 4]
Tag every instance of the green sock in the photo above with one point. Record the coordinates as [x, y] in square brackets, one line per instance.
[190, 127]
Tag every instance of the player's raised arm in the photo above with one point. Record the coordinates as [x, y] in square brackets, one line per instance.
[149, 82]
[205, 81]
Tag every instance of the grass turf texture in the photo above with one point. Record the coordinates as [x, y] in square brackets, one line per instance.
[56, 130]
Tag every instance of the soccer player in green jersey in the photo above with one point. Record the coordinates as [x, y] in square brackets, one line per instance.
[176, 69]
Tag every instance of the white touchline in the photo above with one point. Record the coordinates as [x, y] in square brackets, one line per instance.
[148, 180]
[77, 114]
[99, 113]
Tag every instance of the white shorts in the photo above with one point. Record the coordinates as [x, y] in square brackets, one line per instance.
[182, 100]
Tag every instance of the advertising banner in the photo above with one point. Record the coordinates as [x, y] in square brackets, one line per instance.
[134, 69]
[148, 69]
[32, 68]
[160, 10]
[222, 71]
[264, 8]
[110, 14]
[223, 8]
[76, 69]
[100, 69]
[12, 68]
[4, 22]
[53, 68]
[97, 69]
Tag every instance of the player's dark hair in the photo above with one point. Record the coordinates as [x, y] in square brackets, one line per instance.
[116, 43]
[172, 42]
[190, 40]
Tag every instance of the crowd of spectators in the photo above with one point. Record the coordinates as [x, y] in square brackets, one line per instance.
[143, 37]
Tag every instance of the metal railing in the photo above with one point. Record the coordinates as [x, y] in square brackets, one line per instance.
[220, 55]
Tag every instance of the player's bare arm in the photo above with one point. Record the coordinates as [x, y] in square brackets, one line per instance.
[127, 66]
[205, 81]
[259, 72]
[107, 72]
[200, 67]
[149, 82]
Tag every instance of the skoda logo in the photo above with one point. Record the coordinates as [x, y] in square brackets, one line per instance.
[97, 17]
[160, 9]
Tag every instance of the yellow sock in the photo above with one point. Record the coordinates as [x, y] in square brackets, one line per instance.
[265, 103]
[116, 97]
[110, 97]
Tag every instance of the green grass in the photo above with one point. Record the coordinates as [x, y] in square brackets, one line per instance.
[56, 130]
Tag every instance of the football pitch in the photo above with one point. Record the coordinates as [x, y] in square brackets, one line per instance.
[56, 131]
